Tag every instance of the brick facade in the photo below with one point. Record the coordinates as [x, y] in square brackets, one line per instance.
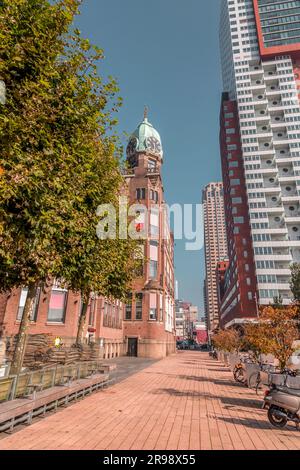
[149, 327]
[104, 324]
[239, 293]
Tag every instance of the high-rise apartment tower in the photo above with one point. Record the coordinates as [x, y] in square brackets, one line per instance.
[260, 151]
[215, 247]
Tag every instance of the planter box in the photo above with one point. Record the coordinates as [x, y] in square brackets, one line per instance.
[277, 379]
[293, 382]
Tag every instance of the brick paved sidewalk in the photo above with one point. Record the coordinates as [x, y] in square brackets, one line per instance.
[187, 401]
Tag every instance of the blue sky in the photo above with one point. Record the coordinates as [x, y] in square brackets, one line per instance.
[165, 54]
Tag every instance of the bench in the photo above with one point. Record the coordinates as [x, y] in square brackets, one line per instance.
[22, 410]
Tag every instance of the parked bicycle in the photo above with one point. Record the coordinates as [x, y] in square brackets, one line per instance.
[239, 371]
[260, 377]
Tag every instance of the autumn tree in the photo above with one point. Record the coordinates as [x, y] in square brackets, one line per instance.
[275, 333]
[227, 340]
[58, 153]
[255, 339]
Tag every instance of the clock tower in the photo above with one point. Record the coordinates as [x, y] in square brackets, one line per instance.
[149, 322]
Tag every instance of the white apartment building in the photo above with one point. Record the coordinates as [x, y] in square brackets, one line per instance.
[260, 55]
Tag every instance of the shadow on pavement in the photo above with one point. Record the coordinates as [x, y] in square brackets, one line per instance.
[194, 378]
[181, 393]
[233, 402]
[250, 423]
[127, 366]
[244, 402]
[228, 383]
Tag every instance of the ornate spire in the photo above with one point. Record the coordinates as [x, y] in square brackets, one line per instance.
[146, 110]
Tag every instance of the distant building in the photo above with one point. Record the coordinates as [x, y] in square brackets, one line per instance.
[179, 312]
[221, 281]
[215, 248]
[186, 318]
[201, 335]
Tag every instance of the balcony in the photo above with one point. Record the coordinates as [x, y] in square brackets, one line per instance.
[272, 77]
[264, 134]
[259, 101]
[256, 71]
[127, 172]
[272, 188]
[273, 272]
[153, 171]
[287, 178]
[273, 91]
[291, 199]
[275, 209]
[292, 220]
[271, 286]
[266, 151]
[262, 117]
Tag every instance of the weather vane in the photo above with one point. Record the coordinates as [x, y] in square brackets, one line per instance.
[146, 110]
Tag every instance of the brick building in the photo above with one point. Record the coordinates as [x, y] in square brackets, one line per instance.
[149, 323]
[146, 327]
[57, 312]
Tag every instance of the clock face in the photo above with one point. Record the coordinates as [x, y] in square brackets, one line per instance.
[153, 145]
[131, 147]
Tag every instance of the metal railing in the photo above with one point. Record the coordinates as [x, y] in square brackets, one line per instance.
[18, 386]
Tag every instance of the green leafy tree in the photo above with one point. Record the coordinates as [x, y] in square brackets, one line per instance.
[58, 154]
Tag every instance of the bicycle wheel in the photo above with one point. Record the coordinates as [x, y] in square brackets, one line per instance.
[253, 380]
[239, 375]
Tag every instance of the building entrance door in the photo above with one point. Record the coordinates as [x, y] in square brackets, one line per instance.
[132, 347]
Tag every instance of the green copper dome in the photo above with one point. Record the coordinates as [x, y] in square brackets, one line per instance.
[145, 139]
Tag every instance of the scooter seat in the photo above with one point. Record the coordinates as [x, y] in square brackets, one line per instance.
[289, 391]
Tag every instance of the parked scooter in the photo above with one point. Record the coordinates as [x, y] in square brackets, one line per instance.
[283, 403]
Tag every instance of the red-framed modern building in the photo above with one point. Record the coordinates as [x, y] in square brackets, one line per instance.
[260, 152]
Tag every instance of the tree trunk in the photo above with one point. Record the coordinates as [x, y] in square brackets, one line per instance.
[82, 318]
[19, 352]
